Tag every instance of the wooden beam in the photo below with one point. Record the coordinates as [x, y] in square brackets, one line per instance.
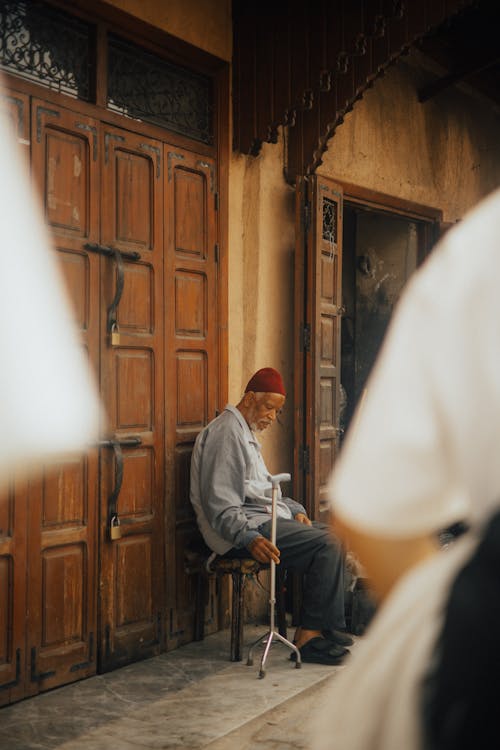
[434, 88]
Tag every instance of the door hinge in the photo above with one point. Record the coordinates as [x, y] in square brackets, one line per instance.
[36, 676]
[217, 252]
[85, 664]
[305, 459]
[14, 682]
[305, 337]
[216, 201]
[173, 633]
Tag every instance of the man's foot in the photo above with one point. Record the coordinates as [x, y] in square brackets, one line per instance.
[319, 650]
[339, 637]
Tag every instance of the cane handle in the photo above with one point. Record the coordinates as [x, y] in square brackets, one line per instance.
[276, 479]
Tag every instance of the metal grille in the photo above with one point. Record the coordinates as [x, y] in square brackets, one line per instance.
[330, 221]
[145, 87]
[46, 46]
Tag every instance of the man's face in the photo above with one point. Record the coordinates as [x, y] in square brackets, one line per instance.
[263, 410]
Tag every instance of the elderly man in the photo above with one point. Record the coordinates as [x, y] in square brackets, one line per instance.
[231, 495]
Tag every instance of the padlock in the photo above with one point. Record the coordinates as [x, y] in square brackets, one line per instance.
[115, 335]
[115, 531]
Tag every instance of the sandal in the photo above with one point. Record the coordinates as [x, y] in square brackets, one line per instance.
[339, 637]
[321, 651]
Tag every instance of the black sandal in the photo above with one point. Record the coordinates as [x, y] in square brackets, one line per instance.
[339, 637]
[319, 650]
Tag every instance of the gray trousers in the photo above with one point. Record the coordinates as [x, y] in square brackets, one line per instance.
[317, 554]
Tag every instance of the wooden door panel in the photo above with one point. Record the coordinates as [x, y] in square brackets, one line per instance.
[191, 362]
[191, 304]
[12, 591]
[15, 108]
[62, 555]
[190, 207]
[133, 558]
[318, 314]
[326, 316]
[134, 396]
[62, 590]
[137, 494]
[75, 267]
[134, 208]
[63, 570]
[132, 567]
[66, 190]
[136, 308]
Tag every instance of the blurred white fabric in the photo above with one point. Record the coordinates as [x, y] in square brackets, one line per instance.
[374, 701]
[48, 400]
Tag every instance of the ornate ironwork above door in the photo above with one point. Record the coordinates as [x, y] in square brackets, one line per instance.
[46, 46]
[146, 87]
[50, 47]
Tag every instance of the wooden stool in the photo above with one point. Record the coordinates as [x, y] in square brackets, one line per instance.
[239, 570]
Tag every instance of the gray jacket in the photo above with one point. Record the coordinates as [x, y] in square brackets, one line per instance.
[230, 492]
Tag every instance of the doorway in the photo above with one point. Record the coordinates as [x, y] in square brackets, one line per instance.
[381, 250]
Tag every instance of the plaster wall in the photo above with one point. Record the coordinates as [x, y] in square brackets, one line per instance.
[203, 23]
[444, 153]
[261, 256]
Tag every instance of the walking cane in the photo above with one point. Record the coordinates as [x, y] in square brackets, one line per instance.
[268, 637]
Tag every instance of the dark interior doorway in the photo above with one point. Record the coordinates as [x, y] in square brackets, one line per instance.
[380, 252]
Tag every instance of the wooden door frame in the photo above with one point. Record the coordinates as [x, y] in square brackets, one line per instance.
[388, 203]
[430, 219]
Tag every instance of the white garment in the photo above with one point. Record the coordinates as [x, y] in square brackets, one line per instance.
[48, 402]
[423, 453]
[374, 700]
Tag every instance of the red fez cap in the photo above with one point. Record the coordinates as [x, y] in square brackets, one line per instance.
[266, 380]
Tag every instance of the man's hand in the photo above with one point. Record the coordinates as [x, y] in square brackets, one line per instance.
[263, 550]
[302, 518]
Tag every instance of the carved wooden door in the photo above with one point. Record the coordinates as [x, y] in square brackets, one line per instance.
[132, 483]
[191, 362]
[318, 276]
[62, 512]
[102, 194]
[134, 223]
